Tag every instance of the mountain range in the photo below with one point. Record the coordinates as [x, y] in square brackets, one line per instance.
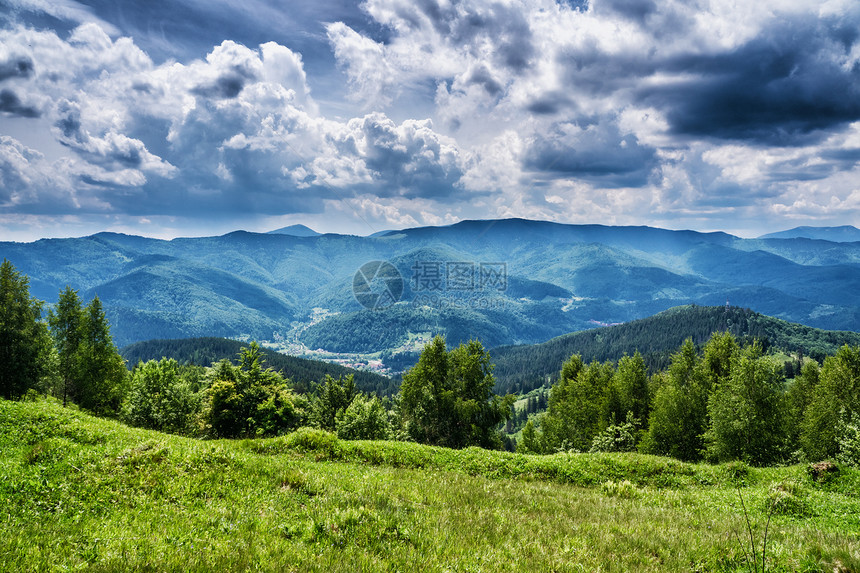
[505, 282]
[841, 234]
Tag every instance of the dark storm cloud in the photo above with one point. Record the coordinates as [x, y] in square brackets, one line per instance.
[10, 103]
[786, 87]
[227, 86]
[598, 154]
[548, 103]
[482, 76]
[637, 10]
[16, 68]
[592, 71]
[69, 125]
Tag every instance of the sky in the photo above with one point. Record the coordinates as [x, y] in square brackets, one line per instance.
[170, 118]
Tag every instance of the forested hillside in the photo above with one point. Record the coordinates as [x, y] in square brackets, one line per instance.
[522, 368]
[300, 371]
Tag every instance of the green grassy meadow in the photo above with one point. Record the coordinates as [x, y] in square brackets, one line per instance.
[78, 493]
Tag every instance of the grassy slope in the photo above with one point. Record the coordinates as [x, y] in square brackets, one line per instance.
[81, 493]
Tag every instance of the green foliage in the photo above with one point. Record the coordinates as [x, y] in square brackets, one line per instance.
[364, 419]
[848, 440]
[657, 338]
[577, 406]
[799, 396]
[102, 374]
[331, 398]
[23, 344]
[836, 399]
[679, 412]
[160, 399]
[629, 394]
[65, 320]
[746, 411]
[617, 437]
[447, 397]
[248, 400]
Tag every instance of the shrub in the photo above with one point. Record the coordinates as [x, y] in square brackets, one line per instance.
[617, 437]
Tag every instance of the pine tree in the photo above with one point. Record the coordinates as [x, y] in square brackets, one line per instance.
[101, 369]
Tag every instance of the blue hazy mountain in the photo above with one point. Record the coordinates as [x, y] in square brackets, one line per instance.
[510, 281]
[842, 234]
[295, 231]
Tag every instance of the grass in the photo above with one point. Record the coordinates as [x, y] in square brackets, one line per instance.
[83, 494]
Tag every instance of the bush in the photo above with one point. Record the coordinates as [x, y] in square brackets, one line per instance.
[364, 419]
[312, 440]
[617, 437]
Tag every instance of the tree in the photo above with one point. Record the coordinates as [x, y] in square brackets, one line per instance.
[332, 397]
[447, 398]
[160, 399]
[577, 406]
[249, 400]
[800, 394]
[836, 401]
[679, 413]
[364, 419]
[21, 334]
[630, 389]
[746, 411]
[65, 320]
[102, 373]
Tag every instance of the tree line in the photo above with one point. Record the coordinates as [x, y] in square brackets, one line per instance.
[523, 368]
[729, 401]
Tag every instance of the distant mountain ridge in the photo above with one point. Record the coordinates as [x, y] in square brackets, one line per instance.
[550, 279]
[842, 234]
[295, 231]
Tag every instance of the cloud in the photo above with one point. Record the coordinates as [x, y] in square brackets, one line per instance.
[791, 85]
[410, 159]
[597, 153]
[11, 104]
[20, 67]
[437, 109]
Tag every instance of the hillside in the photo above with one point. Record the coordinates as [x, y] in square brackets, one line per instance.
[205, 351]
[510, 281]
[81, 493]
[522, 368]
